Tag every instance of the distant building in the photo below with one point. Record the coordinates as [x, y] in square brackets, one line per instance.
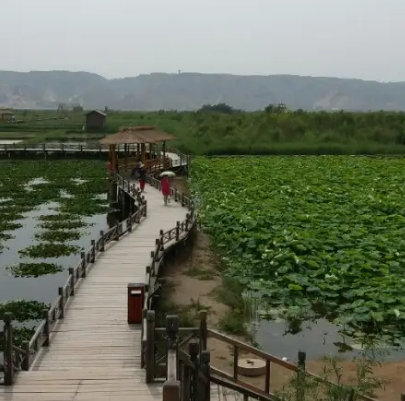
[6, 115]
[95, 119]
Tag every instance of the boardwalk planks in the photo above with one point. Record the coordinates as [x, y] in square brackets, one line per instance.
[94, 353]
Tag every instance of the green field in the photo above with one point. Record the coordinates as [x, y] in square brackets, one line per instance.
[316, 236]
[232, 132]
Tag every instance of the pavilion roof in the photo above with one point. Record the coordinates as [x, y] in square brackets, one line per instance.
[141, 134]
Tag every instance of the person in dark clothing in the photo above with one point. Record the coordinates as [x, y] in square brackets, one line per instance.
[142, 178]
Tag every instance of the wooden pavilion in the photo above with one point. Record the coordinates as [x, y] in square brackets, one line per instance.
[141, 137]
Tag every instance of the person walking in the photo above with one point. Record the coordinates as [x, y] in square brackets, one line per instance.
[142, 178]
[165, 184]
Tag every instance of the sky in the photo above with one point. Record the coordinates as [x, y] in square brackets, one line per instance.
[121, 38]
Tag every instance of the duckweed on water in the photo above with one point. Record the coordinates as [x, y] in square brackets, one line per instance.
[58, 236]
[34, 269]
[5, 237]
[64, 225]
[57, 217]
[9, 226]
[23, 311]
[49, 250]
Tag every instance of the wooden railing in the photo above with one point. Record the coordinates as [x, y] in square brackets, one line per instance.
[151, 165]
[190, 377]
[79, 147]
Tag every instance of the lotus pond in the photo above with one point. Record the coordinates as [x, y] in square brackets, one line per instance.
[49, 212]
[320, 239]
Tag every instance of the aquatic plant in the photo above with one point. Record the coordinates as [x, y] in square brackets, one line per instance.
[58, 236]
[34, 269]
[313, 235]
[49, 250]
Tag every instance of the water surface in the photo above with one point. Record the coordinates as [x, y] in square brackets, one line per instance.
[43, 288]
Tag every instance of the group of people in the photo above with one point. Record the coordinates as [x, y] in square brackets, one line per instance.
[141, 172]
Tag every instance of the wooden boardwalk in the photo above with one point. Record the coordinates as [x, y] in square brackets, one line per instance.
[94, 354]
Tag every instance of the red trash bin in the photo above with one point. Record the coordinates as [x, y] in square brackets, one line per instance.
[136, 296]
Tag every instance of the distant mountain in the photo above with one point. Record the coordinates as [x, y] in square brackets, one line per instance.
[189, 91]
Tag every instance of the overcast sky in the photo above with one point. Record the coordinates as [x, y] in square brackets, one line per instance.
[117, 38]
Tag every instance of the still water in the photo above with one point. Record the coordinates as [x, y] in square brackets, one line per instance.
[43, 288]
[316, 339]
[9, 141]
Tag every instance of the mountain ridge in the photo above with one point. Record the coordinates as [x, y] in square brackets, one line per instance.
[190, 90]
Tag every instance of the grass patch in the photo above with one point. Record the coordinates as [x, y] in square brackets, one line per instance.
[188, 314]
[201, 274]
[230, 294]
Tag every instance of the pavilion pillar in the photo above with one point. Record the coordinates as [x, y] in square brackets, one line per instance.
[164, 154]
[113, 187]
[143, 153]
[138, 150]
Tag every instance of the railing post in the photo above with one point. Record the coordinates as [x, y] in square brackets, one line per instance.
[117, 234]
[102, 242]
[186, 381]
[300, 393]
[145, 210]
[47, 329]
[61, 303]
[171, 388]
[161, 235]
[171, 391]
[130, 224]
[182, 200]
[175, 195]
[8, 349]
[172, 328]
[150, 346]
[84, 262]
[71, 271]
[177, 231]
[193, 350]
[205, 386]
[143, 342]
[93, 251]
[26, 361]
[203, 331]
[187, 220]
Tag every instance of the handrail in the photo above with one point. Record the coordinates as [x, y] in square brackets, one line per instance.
[78, 147]
[195, 361]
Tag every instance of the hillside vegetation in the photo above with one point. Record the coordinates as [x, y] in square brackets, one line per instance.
[189, 91]
[235, 132]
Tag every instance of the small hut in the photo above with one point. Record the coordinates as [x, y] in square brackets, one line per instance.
[95, 119]
[5, 115]
[141, 137]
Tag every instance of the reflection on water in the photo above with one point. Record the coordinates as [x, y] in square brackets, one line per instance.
[316, 339]
[42, 288]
